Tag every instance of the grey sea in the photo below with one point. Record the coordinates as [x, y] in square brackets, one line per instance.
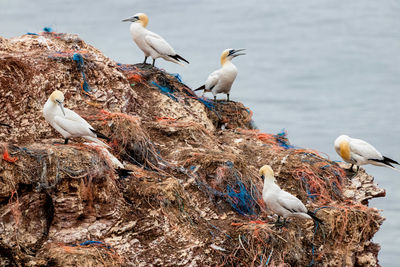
[317, 68]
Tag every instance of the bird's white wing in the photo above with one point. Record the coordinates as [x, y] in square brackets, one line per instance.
[73, 116]
[73, 126]
[213, 79]
[363, 149]
[159, 44]
[290, 202]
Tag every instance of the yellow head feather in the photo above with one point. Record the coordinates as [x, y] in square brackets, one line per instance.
[143, 19]
[345, 150]
[57, 95]
[224, 56]
[266, 171]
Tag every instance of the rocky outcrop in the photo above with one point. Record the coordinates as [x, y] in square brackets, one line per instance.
[194, 195]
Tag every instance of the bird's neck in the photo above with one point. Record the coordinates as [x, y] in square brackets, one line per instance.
[137, 26]
[345, 150]
[226, 63]
[269, 183]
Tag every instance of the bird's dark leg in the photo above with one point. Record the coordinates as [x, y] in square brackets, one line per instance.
[351, 168]
[154, 61]
[145, 59]
[215, 98]
[278, 222]
[66, 141]
[227, 97]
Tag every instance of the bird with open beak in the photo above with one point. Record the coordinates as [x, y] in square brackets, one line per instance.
[221, 80]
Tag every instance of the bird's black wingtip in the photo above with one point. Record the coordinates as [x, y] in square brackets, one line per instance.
[179, 58]
[315, 218]
[100, 135]
[200, 88]
[389, 160]
[123, 173]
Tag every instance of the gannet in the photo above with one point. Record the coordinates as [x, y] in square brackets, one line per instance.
[221, 80]
[67, 122]
[281, 202]
[150, 43]
[358, 152]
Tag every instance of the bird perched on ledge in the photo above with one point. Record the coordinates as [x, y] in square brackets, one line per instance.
[67, 122]
[358, 152]
[281, 202]
[151, 43]
[221, 80]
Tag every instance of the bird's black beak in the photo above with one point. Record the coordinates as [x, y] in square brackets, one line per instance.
[235, 52]
[132, 19]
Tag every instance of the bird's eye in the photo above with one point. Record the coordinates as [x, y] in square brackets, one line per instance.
[137, 17]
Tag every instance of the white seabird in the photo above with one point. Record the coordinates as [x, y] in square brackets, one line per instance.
[221, 80]
[281, 202]
[358, 152]
[67, 122]
[150, 43]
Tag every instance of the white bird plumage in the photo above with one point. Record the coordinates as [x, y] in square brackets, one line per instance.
[281, 202]
[67, 122]
[150, 43]
[221, 80]
[358, 152]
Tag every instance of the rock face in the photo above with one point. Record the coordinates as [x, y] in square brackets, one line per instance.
[194, 195]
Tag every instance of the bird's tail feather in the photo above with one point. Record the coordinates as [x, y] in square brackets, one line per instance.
[172, 59]
[200, 88]
[178, 58]
[315, 218]
[97, 141]
[181, 58]
[386, 162]
[100, 135]
[386, 159]
[393, 168]
[122, 172]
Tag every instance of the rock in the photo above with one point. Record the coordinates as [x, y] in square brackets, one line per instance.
[194, 195]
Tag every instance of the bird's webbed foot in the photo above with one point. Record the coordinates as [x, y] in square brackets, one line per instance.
[279, 223]
[146, 66]
[351, 170]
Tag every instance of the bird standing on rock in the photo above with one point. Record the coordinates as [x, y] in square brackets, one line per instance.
[221, 80]
[358, 152]
[67, 122]
[151, 43]
[281, 202]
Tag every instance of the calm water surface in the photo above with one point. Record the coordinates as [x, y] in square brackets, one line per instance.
[317, 68]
